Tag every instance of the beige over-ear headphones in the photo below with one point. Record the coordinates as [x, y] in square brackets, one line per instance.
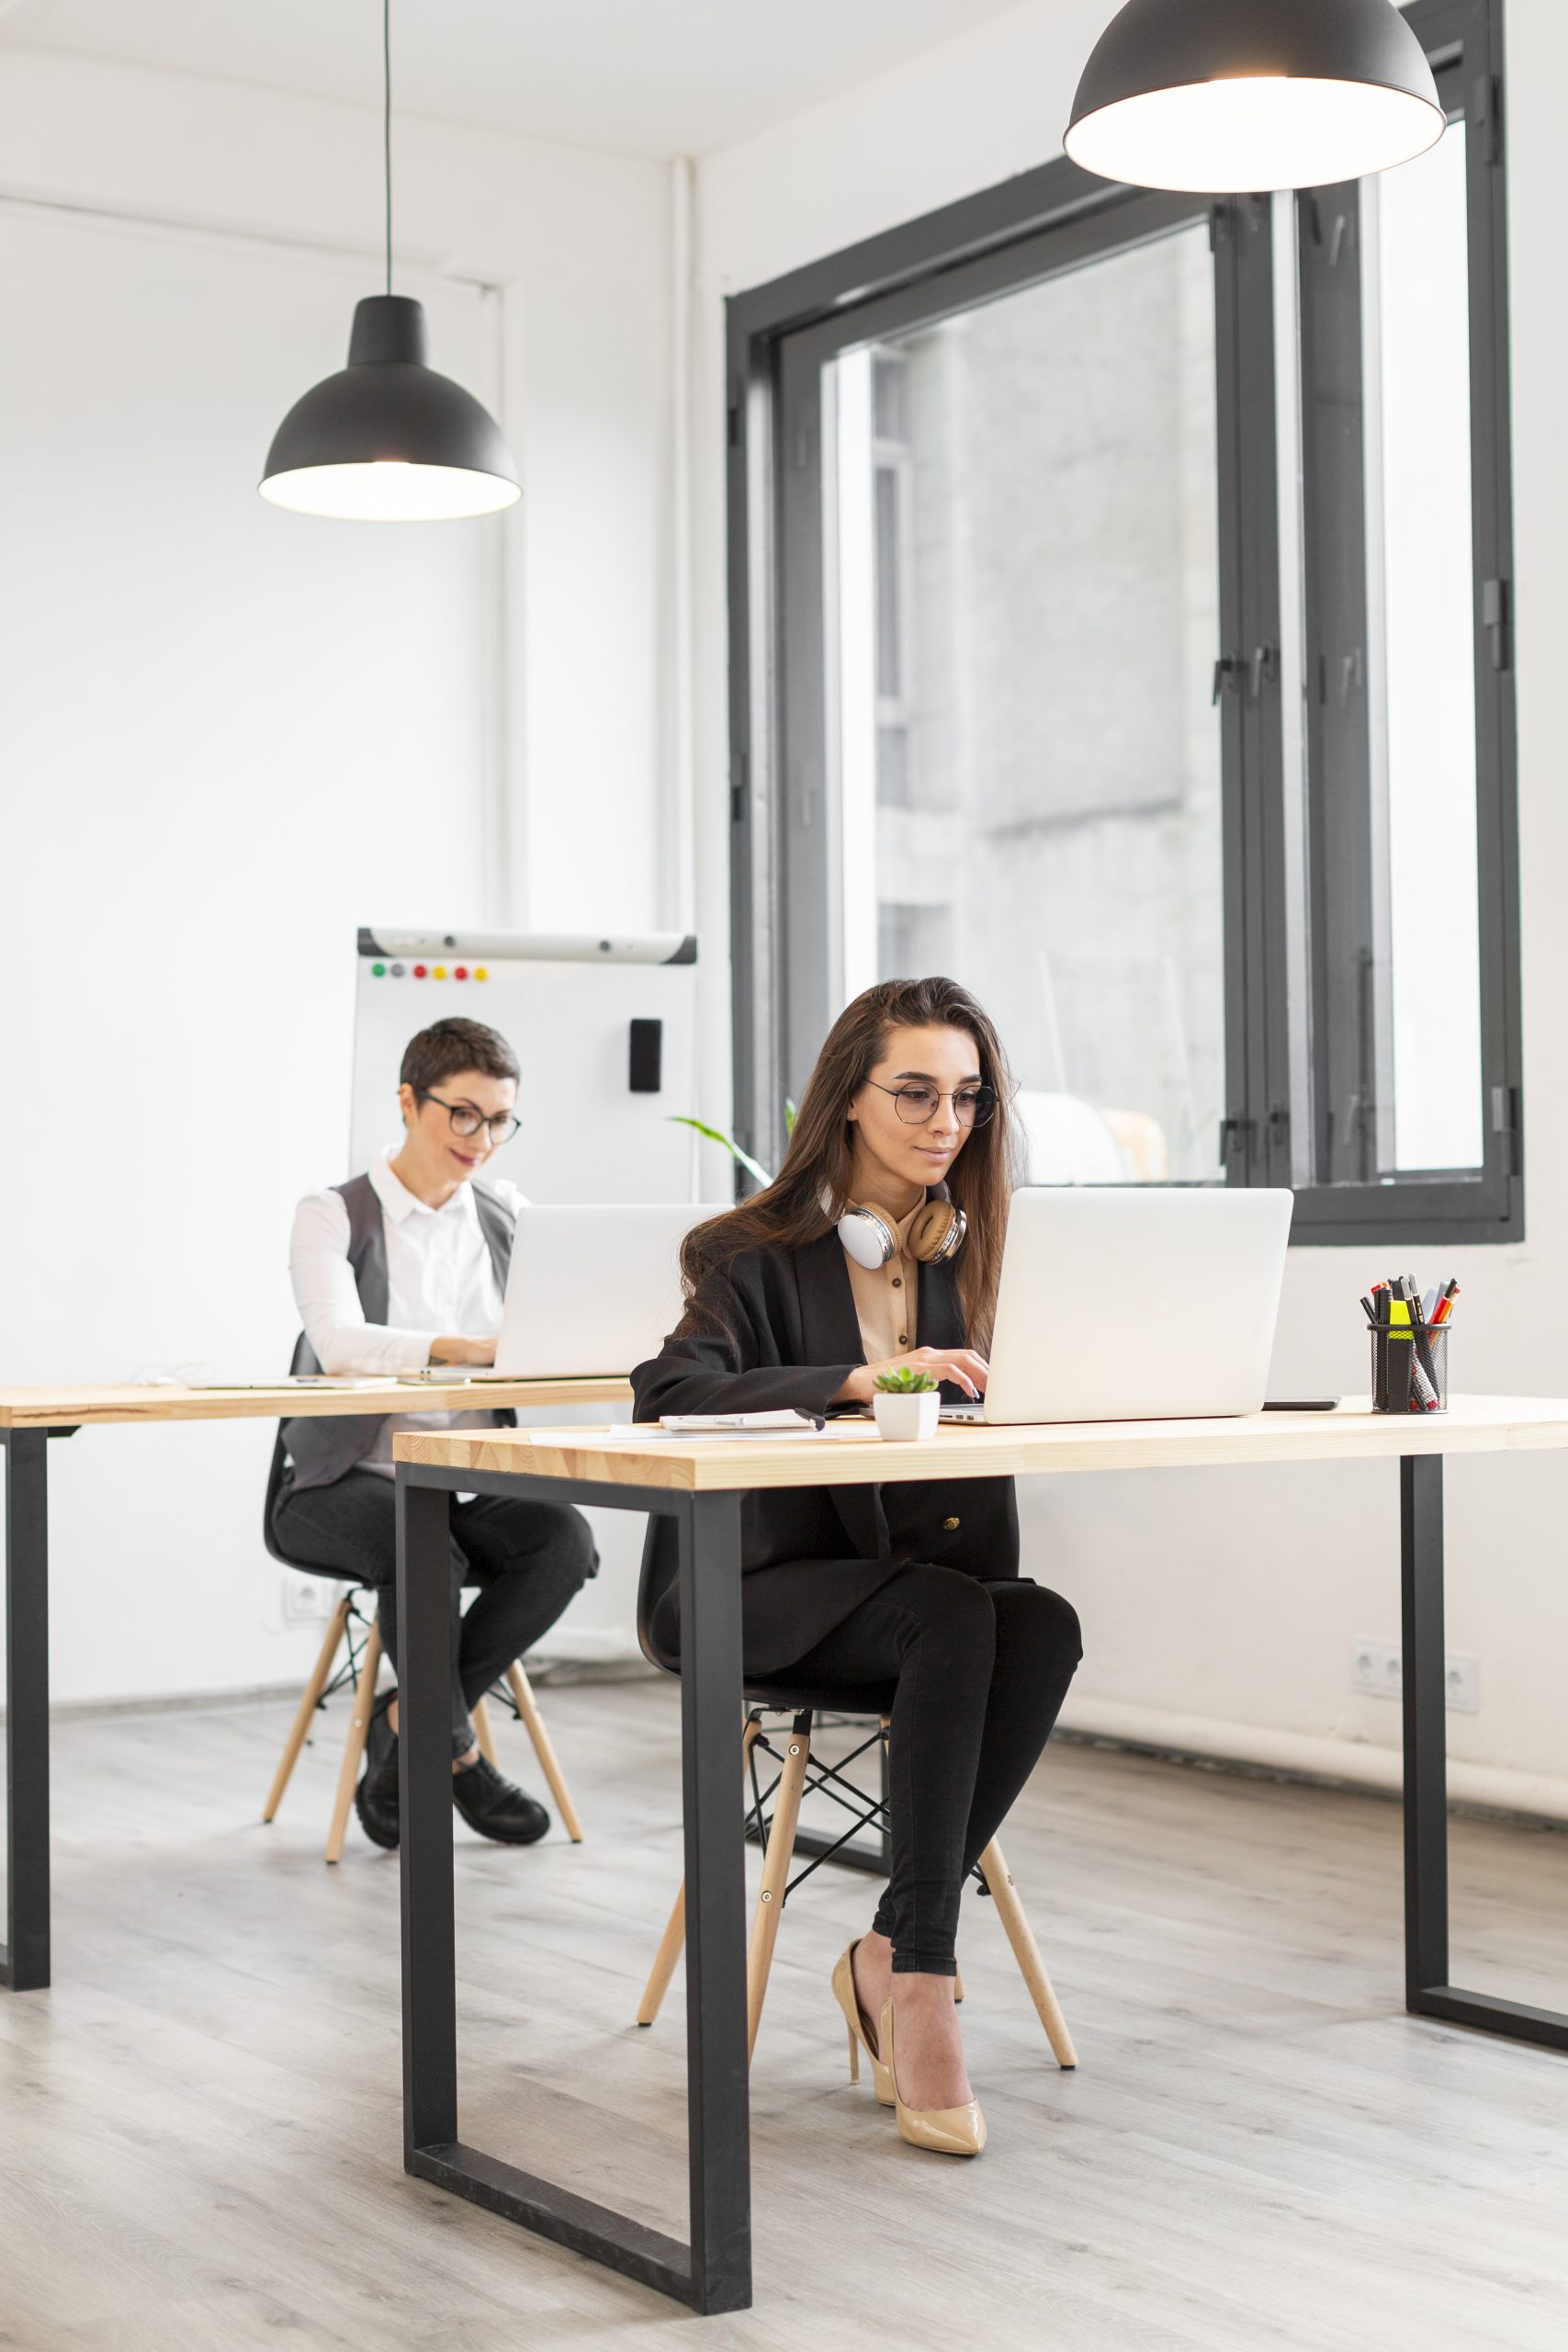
[870, 1234]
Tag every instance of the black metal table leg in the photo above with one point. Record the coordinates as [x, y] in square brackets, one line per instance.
[712, 2272]
[1428, 1992]
[716, 2096]
[24, 1958]
[424, 1818]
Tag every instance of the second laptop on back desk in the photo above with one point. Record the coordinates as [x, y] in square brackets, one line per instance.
[594, 1289]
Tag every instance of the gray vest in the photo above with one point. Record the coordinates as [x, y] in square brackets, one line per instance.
[324, 1449]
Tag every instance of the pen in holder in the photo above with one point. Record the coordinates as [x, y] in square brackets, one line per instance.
[1410, 1375]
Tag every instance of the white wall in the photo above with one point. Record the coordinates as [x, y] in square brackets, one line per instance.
[228, 735]
[1221, 1609]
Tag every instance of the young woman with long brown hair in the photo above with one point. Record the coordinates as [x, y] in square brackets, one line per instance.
[793, 1299]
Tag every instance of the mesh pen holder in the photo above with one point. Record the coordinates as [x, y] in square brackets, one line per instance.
[1404, 1379]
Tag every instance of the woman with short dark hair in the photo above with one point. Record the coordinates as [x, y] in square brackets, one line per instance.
[400, 1267]
[878, 1244]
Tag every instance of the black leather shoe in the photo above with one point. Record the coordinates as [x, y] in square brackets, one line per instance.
[376, 1798]
[495, 1808]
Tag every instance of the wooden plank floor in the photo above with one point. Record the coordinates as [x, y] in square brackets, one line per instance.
[201, 2132]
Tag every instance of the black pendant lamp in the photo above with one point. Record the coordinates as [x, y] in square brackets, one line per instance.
[1244, 95]
[387, 440]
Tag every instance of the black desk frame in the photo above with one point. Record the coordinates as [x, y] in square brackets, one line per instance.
[713, 2271]
[1427, 1993]
[25, 1954]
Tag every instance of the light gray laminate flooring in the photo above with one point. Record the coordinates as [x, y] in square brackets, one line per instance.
[199, 2123]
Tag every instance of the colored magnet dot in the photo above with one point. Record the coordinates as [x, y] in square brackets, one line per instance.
[439, 973]
[397, 971]
[480, 973]
[419, 971]
[377, 971]
[462, 973]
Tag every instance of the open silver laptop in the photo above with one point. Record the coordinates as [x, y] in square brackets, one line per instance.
[1123, 1303]
[594, 1290]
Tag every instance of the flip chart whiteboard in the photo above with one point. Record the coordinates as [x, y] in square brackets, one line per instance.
[597, 1094]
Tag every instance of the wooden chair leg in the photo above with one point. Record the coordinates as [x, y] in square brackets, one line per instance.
[321, 1674]
[776, 1859]
[670, 1950]
[1026, 1951]
[958, 1986]
[522, 1691]
[353, 1746]
[674, 1938]
[478, 1714]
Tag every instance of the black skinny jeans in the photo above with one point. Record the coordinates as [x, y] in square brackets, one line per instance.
[527, 1558]
[981, 1671]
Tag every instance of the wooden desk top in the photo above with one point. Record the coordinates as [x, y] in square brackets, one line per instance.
[41, 1408]
[850, 1453]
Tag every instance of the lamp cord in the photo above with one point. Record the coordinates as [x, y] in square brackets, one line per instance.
[386, 122]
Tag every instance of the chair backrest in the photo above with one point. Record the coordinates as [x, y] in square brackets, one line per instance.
[302, 1359]
[661, 1565]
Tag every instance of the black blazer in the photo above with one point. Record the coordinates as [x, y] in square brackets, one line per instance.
[779, 1328]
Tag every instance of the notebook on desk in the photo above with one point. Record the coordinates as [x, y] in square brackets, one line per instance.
[1126, 1304]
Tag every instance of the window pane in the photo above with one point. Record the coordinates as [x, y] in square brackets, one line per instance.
[1022, 522]
[1421, 672]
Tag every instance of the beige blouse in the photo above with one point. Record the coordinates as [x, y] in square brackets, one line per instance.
[886, 1298]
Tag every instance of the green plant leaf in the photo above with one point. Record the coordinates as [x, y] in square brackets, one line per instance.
[754, 1167]
[905, 1380]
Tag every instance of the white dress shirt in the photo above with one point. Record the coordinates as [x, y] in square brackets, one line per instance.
[439, 1278]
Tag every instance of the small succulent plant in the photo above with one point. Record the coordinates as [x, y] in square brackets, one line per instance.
[905, 1380]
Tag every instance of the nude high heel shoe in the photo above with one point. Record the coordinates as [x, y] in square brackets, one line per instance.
[854, 2017]
[949, 2130]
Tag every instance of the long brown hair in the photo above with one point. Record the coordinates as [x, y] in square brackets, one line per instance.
[812, 1190]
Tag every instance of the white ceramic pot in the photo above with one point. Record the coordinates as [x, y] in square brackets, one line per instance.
[910, 1416]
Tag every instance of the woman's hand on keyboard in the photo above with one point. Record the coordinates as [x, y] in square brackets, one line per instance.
[961, 1366]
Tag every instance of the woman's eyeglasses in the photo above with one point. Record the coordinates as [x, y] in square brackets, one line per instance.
[972, 1106]
[466, 1121]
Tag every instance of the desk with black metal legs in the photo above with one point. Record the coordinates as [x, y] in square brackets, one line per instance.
[29, 1419]
[700, 1484]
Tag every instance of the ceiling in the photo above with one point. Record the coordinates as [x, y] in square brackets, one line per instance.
[645, 77]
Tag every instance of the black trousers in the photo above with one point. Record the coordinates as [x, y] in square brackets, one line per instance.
[981, 1670]
[527, 1559]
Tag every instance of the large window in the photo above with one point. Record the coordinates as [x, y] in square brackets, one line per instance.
[1120, 596]
[1018, 801]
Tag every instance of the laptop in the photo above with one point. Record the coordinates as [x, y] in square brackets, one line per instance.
[1130, 1304]
[594, 1290]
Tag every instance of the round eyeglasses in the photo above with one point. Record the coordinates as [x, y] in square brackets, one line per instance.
[466, 1121]
[972, 1106]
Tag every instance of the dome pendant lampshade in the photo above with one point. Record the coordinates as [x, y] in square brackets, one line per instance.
[386, 439]
[1244, 95]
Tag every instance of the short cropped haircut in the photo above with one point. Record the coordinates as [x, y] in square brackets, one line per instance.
[447, 1047]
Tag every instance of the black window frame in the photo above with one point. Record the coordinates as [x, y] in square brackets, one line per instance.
[778, 337]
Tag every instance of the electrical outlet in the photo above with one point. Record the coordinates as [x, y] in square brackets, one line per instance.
[309, 1601]
[1378, 1669]
[1463, 1681]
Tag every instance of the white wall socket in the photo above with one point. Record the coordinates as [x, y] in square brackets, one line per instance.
[1378, 1668]
[310, 1601]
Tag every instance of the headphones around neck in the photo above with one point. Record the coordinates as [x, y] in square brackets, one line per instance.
[870, 1235]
